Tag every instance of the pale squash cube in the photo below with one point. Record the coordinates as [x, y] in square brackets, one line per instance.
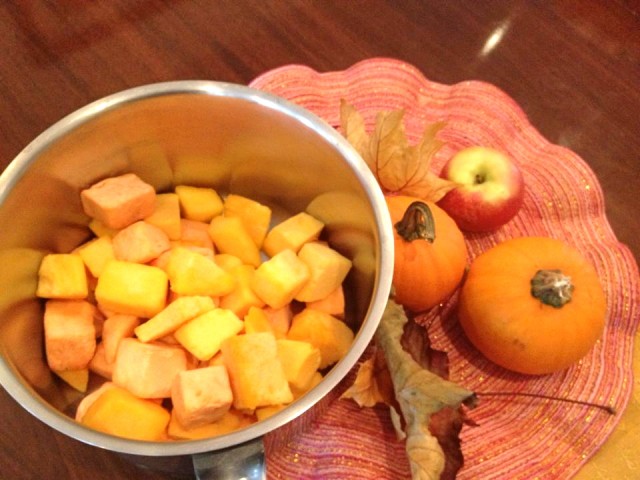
[279, 279]
[328, 334]
[76, 379]
[256, 321]
[114, 329]
[196, 234]
[166, 215]
[230, 236]
[96, 253]
[203, 335]
[255, 216]
[292, 233]
[193, 274]
[119, 201]
[62, 276]
[256, 374]
[327, 267]
[132, 289]
[118, 412]
[69, 334]
[230, 421]
[300, 361]
[140, 242]
[242, 297]
[147, 370]
[201, 396]
[333, 304]
[173, 316]
[199, 203]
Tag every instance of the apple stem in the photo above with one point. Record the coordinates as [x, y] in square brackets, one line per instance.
[417, 223]
[479, 179]
[611, 410]
[552, 287]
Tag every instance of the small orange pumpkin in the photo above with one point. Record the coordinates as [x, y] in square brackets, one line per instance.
[430, 253]
[533, 305]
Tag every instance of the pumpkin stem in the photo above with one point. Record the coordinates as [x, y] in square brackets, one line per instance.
[552, 287]
[417, 223]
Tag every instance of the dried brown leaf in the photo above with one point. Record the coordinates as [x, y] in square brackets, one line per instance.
[399, 167]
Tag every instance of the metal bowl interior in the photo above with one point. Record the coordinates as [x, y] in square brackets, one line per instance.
[225, 136]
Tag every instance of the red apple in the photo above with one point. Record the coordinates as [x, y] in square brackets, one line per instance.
[490, 189]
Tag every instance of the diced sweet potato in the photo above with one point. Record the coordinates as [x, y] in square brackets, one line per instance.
[292, 233]
[132, 288]
[96, 253]
[328, 270]
[118, 412]
[242, 297]
[70, 336]
[148, 370]
[257, 377]
[62, 276]
[300, 361]
[201, 396]
[203, 335]
[255, 216]
[330, 335]
[229, 235]
[140, 242]
[119, 201]
[114, 329]
[199, 203]
[333, 304]
[279, 279]
[193, 274]
[166, 215]
[174, 315]
[230, 421]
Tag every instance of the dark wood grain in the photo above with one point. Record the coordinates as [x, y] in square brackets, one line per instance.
[572, 65]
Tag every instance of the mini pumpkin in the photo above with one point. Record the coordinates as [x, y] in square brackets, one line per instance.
[430, 253]
[533, 305]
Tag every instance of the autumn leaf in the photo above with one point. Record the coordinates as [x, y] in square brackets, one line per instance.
[399, 167]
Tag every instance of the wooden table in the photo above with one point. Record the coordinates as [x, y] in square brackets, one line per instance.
[572, 65]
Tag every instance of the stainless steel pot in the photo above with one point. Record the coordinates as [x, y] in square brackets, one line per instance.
[227, 136]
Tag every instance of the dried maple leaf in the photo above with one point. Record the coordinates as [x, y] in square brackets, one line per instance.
[420, 394]
[399, 167]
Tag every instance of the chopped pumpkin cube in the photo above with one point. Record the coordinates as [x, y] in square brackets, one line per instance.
[230, 421]
[256, 374]
[193, 274]
[279, 279]
[70, 335]
[119, 201]
[242, 297]
[147, 370]
[292, 233]
[166, 215]
[280, 319]
[255, 216]
[201, 396]
[132, 288]
[300, 361]
[174, 315]
[256, 320]
[114, 329]
[199, 203]
[333, 304]
[227, 261]
[231, 236]
[203, 335]
[328, 270]
[140, 242]
[118, 412]
[196, 234]
[62, 276]
[330, 335]
[96, 253]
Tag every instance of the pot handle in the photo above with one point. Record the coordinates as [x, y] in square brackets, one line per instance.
[245, 461]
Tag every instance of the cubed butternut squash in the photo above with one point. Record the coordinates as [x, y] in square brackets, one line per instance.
[62, 276]
[69, 333]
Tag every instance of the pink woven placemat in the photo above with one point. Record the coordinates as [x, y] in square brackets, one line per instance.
[515, 437]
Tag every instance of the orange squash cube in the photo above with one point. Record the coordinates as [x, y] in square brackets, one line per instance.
[69, 333]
